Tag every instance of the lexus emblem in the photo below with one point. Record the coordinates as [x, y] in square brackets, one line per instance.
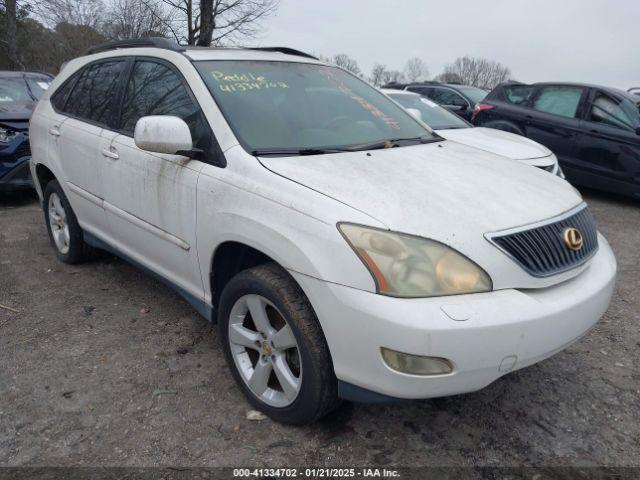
[573, 239]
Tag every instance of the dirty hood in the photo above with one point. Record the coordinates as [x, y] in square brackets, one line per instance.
[445, 191]
[490, 140]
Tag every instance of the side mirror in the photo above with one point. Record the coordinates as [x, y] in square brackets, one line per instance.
[163, 134]
[415, 113]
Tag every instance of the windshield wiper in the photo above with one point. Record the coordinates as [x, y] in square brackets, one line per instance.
[391, 143]
[283, 152]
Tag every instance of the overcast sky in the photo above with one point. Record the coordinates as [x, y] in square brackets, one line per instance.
[593, 41]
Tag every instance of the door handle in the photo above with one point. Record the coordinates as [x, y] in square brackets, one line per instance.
[55, 131]
[112, 154]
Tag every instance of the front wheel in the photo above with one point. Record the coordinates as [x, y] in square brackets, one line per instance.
[275, 347]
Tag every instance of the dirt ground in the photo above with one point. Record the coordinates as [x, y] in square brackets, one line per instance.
[102, 365]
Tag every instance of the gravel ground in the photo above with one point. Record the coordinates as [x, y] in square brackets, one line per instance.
[102, 365]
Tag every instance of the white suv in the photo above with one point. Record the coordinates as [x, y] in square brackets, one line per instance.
[344, 249]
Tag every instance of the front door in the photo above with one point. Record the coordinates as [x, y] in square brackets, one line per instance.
[150, 198]
[609, 145]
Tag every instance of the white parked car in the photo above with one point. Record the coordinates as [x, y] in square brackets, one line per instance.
[452, 127]
[345, 250]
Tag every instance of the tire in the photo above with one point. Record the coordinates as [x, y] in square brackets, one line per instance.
[69, 246]
[504, 126]
[270, 289]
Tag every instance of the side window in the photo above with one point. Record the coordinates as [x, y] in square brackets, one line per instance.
[59, 97]
[518, 94]
[444, 96]
[93, 94]
[615, 113]
[154, 89]
[559, 100]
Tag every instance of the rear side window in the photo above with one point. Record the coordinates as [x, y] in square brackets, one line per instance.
[93, 95]
[154, 89]
[426, 91]
[559, 100]
[59, 97]
[517, 94]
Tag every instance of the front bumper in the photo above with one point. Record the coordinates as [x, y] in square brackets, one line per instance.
[483, 335]
[14, 164]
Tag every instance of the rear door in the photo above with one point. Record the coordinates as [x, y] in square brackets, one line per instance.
[554, 119]
[609, 146]
[88, 108]
[150, 198]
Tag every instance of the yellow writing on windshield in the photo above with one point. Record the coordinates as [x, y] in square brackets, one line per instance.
[241, 82]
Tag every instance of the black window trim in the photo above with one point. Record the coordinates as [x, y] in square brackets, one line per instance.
[74, 78]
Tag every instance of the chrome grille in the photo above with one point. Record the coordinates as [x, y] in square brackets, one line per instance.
[541, 250]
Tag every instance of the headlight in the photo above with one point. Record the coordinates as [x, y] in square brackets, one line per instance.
[407, 266]
[7, 135]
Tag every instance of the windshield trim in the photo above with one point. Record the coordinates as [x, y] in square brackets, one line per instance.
[338, 148]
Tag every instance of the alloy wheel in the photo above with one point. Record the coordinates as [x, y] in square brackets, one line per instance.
[58, 223]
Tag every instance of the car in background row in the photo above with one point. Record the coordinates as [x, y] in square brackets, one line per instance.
[635, 91]
[19, 93]
[452, 127]
[594, 130]
[459, 99]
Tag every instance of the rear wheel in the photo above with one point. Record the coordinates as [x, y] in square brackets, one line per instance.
[504, 126]
[275, 347]
[64, 231]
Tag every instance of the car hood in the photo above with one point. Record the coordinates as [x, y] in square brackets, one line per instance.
[445, 191]
[16, 115]
[495, 141]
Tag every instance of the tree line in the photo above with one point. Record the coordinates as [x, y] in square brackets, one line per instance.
[43, 34]
[478, 72]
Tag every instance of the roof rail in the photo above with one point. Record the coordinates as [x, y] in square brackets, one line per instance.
[285, 50]
[157, 42]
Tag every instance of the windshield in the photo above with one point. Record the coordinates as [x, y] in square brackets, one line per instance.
[475, 94]
[431, 113]
[14, 90]
[38, 84]
[283, 106]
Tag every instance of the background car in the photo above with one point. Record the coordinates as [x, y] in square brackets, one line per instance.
[594, 130]
[19, 92]
[635, 91]
[452, 127]
[459, 99]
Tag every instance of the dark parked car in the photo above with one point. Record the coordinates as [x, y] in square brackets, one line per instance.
[594, 131]
[19, 92]
[459, 99]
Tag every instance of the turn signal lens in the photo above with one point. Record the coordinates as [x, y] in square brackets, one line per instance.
[415, 364]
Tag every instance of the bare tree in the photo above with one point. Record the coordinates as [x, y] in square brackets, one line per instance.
[345, 61]
[377, 74]
[134, 19]
[478, 72]
[415, 69]
[10, 40]
[449, 77]
[393, 76]
[206, 22]
[77, 12]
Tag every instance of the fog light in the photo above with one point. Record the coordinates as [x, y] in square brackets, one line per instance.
[415, 364]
